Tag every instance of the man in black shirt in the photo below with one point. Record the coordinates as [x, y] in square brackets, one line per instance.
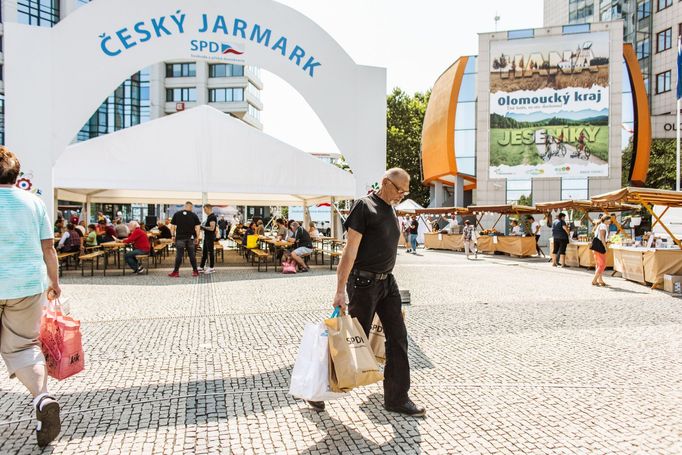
[185, 225]
[208, 248]
[365, 272]
[303, 246]
[222, 225]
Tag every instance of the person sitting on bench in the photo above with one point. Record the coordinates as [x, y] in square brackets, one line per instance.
[303, 246]
[141, 246]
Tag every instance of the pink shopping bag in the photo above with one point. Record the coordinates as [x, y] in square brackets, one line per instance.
[289, 267]
[60, 337]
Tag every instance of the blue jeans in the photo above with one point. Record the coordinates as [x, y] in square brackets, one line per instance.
[413, 241]
[131, 260]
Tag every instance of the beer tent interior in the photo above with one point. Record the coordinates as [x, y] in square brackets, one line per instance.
[202, 150]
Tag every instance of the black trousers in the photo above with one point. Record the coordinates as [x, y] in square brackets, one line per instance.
[180, 247]
[208, 251]
[382, 297]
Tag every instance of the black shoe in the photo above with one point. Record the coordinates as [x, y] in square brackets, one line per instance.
[316, 405]
[408, 408]
[49, 423]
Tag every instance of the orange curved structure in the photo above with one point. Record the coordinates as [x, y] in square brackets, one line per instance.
[639, 166]
[438, 132]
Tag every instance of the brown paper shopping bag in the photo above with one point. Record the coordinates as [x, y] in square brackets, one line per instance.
[352, 362]
[377, 339]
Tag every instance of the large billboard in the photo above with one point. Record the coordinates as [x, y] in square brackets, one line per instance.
[549, 107]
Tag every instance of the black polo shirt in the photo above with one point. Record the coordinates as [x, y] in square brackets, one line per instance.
[376, 221]
[184, 222]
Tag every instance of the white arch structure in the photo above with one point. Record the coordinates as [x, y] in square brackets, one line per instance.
[56, 78]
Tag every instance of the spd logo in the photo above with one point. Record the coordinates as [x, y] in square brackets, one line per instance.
[214, 47]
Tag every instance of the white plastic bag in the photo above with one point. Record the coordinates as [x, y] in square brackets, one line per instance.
[310, 376]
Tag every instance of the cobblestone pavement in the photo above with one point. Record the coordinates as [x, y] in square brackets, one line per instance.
[509, 356]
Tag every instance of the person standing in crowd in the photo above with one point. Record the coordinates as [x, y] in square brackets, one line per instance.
[208, 248]
[601, 234]
[535, 230]
[121, 229]
[414, 232]
[303, 246]
[138, 238]
[185, 227]
[70, 241]
[222, 226]
[365, 272]
[30, 268]
[560, 237]
[164, 231]
[469, 238]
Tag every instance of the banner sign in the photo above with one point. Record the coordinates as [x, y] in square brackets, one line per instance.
[549, 107]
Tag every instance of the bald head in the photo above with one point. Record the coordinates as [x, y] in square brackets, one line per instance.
[397, 173]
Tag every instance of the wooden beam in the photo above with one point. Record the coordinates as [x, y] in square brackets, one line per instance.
[658, 219]
[656, 222]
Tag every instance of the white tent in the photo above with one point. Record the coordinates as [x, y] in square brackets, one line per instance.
[179, 157]
[408, 206]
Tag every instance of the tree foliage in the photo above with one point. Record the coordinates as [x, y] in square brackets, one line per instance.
[405, 117]
[661, 164]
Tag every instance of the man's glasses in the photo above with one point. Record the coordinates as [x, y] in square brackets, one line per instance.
[403, 192]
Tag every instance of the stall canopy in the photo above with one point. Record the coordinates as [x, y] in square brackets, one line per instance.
[442, 211]
[506, 209]
[201, 150]
[586, 206]
[647, 198]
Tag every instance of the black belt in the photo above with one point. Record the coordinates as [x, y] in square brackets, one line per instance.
[370, 275]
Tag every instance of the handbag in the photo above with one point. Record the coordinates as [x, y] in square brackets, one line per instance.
[60, 337]
[598, 246]
[289, 267]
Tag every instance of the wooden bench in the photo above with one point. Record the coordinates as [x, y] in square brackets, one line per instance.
[63, 259]
[333, 256]
[261, 255]
[160, 251]
[140, 258]
[90, 257]
[219, 248]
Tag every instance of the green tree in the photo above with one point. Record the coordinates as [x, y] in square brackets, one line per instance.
[661, 165]
[405, 117]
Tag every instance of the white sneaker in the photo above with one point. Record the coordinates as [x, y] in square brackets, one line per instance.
[200, 270]
[209, 270]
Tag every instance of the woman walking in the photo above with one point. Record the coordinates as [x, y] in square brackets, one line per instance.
[599, 248]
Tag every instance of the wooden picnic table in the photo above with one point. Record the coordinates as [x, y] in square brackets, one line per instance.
[111, 247]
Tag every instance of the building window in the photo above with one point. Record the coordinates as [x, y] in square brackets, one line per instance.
[580, 12]
[664, 40]
[225, 70]
[187, 94]
[253, 90]
[576, 28]
[43, 13]
[663, 4]
[226, 95]
[253, 112]
[643, 10]
[663, 82]
[574, 189]
[181, 69]
[643, 49]
[518, 34]
[2, 120]
[520, 192]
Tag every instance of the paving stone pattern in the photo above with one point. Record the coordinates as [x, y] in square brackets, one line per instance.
[509, 356]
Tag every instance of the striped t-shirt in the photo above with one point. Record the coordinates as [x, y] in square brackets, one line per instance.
[23, 224]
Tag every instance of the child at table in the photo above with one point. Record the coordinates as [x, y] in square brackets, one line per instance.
[91, 239]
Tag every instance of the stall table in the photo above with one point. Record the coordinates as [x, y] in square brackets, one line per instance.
[646, 265]
[442, 241]
[511, 245]
[579, 254]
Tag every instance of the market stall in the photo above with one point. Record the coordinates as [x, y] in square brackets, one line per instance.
[578, 253]
[646, 260]
[491, 241]
[446, 239]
